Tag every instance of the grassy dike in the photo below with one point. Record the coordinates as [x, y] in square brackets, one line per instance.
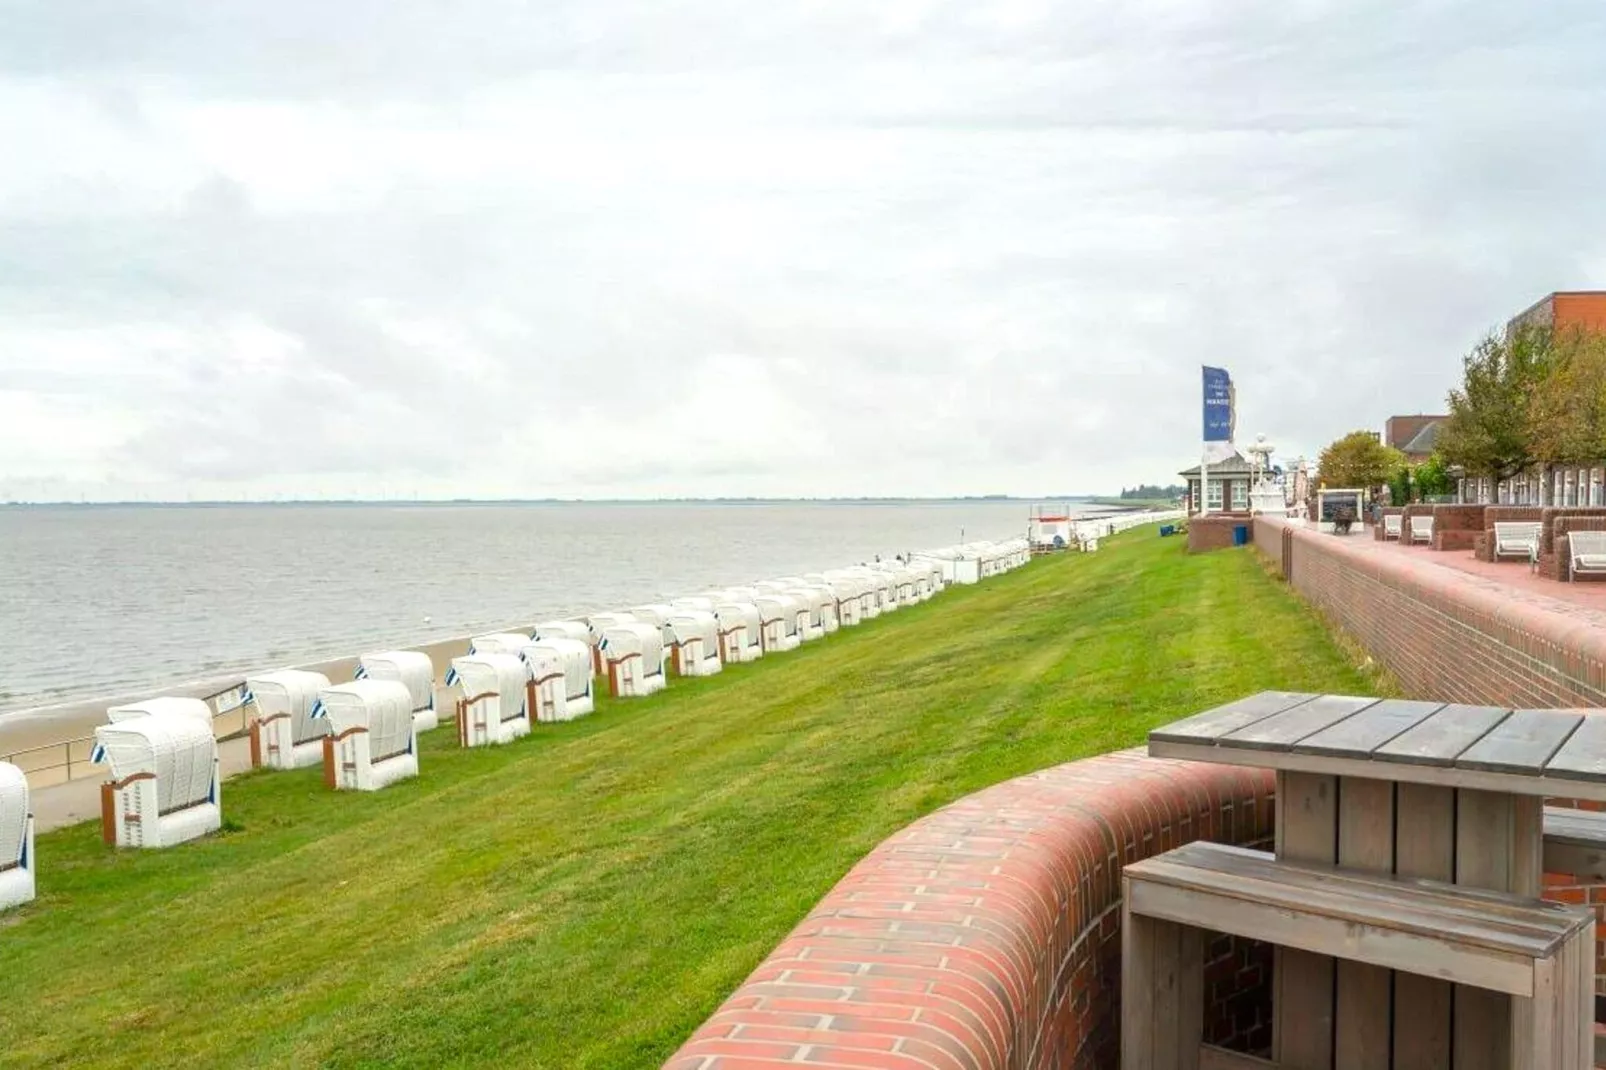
[585, 897]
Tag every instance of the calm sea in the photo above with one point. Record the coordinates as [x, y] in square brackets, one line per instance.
[112, 599]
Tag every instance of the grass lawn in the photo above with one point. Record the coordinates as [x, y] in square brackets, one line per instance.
[587, 896]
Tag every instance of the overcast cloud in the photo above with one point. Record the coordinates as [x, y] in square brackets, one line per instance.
[605, 248]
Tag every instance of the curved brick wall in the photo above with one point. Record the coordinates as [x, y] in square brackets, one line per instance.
[987, 935]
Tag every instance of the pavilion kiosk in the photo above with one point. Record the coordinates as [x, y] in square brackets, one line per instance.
[741, 630]
[495, 704]
[17, 878]
[285, 734]
[1401, 897]
[373, 734]
[570, 659]
[634, 655]
[164, 788]
[412, 669]
[694, 634]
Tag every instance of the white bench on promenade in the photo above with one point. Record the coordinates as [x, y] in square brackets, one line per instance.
[1391, 525]
[17, 882]
[1421, 529]
[1537, 953]
[1517, 539]
[1587, 552]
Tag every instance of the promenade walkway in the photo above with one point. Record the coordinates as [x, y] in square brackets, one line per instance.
[1512, 580]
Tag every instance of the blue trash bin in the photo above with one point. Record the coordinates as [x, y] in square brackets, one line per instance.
[1240, 535]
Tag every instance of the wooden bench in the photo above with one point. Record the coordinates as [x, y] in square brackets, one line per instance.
[1538, 954]
[1517, 539]
[1587, 551]
[1422, 529]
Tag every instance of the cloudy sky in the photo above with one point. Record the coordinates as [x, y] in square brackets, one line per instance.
[606, 248]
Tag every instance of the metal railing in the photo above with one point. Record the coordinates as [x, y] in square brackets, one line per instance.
[62, 762]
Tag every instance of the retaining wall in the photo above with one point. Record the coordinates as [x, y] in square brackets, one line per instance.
[987, 935]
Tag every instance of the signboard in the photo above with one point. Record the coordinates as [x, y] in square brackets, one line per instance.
[1218, 399]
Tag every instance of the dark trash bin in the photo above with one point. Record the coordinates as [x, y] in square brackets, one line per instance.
[1240, 535]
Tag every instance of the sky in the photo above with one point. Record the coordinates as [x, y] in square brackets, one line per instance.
[623, 248]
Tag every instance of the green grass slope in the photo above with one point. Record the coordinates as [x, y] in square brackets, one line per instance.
[586, 897]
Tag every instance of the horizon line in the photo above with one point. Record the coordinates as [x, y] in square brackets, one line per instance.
[87, 503]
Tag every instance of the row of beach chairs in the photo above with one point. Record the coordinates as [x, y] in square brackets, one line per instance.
[165, 788]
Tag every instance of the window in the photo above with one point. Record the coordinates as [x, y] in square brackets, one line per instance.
[1240, 494]
[1213, 494]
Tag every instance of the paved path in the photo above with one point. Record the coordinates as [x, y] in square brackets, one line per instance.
[1511, 580]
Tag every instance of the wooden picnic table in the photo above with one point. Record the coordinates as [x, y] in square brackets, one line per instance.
[1446, 792]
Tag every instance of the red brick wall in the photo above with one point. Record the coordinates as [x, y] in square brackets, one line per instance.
[1456, 527]
[1214, 532]
[987, 935]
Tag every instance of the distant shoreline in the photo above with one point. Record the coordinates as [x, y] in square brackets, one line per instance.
[1086, 500]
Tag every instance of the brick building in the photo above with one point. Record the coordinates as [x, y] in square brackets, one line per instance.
[1564, 310]
[1229, 485]
[1413, 436]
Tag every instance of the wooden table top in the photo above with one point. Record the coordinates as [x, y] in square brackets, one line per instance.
[1525, 752]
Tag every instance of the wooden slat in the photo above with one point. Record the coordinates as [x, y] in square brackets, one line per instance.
[1522, 743]
[1484, 826]
[1302, 982]
[1495, 921]
[1575, 843]
[1424, 847]
[1583, 756]
[1190, 997]
[1360, 735]
[1210, 725]
[1402, 772]
[1137, 986]
[1329, 936]
[1282, 730]
[1442, 738]
[1362, 992]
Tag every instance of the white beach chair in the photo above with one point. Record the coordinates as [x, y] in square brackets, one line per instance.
[285, 734]
[373, 734]
[164, 788]
[17, 883]
[1422, 529]
[1391, 525]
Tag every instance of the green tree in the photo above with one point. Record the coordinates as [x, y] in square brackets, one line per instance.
[1358, 460]
[1488, 432]
[1567, 410]
[1432, 477]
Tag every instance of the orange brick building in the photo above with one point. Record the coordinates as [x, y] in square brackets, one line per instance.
[1564, 310]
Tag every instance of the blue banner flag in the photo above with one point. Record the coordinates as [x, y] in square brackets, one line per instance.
[1218, 415]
